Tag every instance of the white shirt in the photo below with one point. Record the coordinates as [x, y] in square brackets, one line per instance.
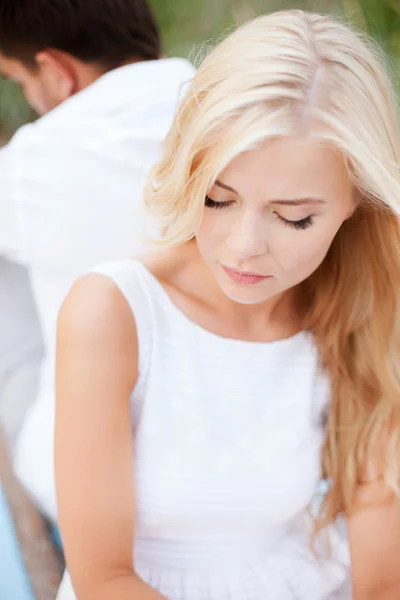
[20, 348]
[71, 197]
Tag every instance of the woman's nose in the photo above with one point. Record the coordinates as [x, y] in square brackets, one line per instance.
[248, 237]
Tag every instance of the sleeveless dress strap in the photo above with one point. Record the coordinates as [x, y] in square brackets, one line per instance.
[127, 275]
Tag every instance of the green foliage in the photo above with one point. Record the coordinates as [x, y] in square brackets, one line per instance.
[14, 110]
[381, 19]
[188, 23]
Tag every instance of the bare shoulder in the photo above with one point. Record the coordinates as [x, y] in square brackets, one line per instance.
[94, 300]
[95, 320]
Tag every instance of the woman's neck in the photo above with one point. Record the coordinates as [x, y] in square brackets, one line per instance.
[278, 316]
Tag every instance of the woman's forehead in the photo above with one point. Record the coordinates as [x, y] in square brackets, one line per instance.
[287, 168]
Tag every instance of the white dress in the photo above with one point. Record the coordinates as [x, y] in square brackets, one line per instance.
[227, 449]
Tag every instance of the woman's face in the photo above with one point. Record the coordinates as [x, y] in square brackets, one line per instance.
[271, 217]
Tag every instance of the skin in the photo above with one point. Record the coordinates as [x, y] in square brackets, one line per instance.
[56, 77]
[97, 355]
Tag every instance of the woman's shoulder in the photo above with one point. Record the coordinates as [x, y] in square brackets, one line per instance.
[94, 309]
[165, 265]
[113, 298]
[96, 333]
[132, 279]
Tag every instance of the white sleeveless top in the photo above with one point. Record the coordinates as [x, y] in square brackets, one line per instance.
[227, 450]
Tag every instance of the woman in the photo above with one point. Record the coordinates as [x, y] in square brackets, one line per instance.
[200, 390]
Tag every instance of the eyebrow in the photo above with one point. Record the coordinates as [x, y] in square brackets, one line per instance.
[294, 202]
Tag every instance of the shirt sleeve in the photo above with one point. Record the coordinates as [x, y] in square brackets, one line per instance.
[9, 236]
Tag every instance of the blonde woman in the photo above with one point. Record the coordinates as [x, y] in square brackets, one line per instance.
[205, 391]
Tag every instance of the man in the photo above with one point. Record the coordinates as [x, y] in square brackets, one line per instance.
[71, 183]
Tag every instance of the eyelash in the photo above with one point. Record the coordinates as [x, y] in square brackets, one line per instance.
[218, 205]
[302, 224]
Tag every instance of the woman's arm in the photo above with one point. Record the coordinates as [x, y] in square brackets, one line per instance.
[96, 372]
[374, 536]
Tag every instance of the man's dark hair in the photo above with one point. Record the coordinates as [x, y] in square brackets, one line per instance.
[103, 32]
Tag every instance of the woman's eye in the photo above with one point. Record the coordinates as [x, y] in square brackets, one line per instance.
[301, 224]
[210, 203]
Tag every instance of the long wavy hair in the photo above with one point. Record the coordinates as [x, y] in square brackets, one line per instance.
[295, 73]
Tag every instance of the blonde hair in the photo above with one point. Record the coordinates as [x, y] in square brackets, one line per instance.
[295, 73]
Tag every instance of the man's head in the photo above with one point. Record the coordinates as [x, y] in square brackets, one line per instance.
[55, 48]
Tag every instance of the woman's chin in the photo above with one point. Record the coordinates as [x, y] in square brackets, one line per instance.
[245, 294]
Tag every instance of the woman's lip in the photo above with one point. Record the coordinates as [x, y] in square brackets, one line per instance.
[244, 278]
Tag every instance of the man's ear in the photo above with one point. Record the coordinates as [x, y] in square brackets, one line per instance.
[57, 73]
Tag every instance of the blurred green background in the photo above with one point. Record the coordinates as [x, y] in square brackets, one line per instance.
[186, 24]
